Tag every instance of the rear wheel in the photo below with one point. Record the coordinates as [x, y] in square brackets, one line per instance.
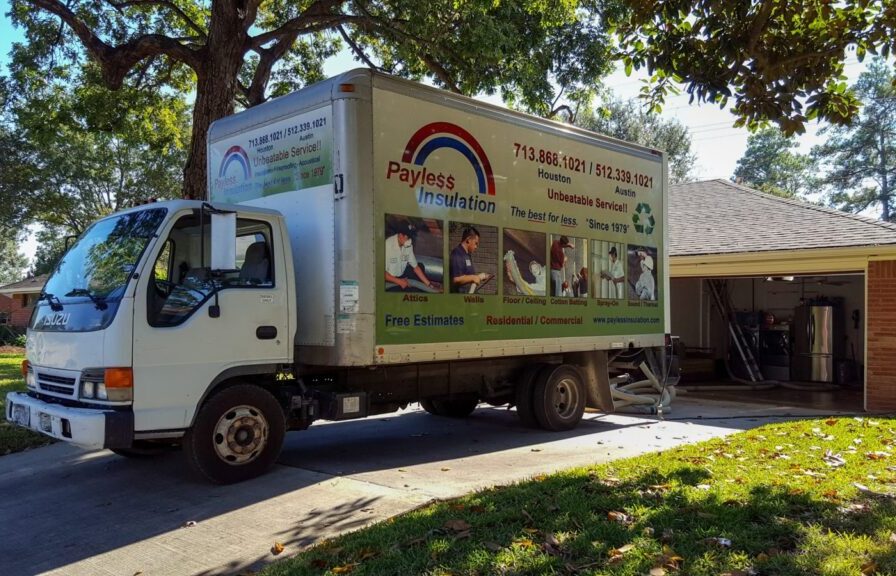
[525, 385]
[451, 407]
[559, 397]
[237, 435]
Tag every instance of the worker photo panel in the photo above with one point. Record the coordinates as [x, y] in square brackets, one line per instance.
[642, 262]
[608, 263]
[524, 254]
[473, 259]
[568, 264]
[414, 254]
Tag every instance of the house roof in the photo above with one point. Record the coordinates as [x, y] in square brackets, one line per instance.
[27, 286]
[721, 217]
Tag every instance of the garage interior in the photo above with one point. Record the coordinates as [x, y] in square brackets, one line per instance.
[804, 333]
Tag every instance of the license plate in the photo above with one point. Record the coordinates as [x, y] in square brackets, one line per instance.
[21, 415]
[46, 422]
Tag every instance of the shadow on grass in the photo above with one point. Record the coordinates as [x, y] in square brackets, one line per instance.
[563, 524]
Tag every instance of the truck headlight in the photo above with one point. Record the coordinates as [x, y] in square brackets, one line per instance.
[108, 384]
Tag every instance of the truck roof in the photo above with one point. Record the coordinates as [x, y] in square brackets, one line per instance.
[175, 205]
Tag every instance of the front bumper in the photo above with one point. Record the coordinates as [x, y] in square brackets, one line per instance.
[85, 427]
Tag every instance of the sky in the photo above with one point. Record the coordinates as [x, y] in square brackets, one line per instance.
[715, 143]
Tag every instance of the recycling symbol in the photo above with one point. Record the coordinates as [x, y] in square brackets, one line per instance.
[643, 220]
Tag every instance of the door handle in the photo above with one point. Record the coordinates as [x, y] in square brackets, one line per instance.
[266, 332]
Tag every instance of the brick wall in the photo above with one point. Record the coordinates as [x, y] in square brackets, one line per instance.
[21, 312]
[880, 383]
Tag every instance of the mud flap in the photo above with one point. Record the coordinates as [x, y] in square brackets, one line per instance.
[594, 367]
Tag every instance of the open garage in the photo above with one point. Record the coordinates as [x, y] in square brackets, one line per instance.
[782, 301]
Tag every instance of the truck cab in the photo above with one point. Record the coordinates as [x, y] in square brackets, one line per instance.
[135, 328]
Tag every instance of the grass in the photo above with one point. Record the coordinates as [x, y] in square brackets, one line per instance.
[13, 438]
[758, 502]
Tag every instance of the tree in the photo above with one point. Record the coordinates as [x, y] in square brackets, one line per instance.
[240, 52]
[780, 60]
[51, 245]
[859, 160]
[629, 121]
[12, 262]
[771, 164]
[93, 152]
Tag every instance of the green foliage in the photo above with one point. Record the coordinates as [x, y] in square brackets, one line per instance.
[778, 60]
[233, 54]
[762, 501]
[629, 121]
[859, 160]
[12, 262]
[772, 164]
[14, 439]
[51, 245]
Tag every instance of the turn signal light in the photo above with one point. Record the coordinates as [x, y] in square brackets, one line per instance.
[119, 378]
[26, 366]
[346, 87]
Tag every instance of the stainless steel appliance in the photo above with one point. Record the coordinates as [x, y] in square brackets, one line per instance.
[816, 342]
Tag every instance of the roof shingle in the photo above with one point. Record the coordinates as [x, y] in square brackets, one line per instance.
[721, 217]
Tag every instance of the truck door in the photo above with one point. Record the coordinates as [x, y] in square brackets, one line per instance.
[180, 347]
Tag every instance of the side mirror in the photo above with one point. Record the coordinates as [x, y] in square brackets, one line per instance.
[223, 238]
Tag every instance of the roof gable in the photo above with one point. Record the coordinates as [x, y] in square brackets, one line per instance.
[721, 217]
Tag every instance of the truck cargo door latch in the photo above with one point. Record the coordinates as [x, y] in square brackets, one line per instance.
[338, 185]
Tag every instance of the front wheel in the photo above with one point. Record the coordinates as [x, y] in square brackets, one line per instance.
[237, 435]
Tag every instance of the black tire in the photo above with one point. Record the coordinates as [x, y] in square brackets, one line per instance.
[559, 397]
[253, 421]
[428, 405]
[144, 449]
[451, 407]
[523, 397]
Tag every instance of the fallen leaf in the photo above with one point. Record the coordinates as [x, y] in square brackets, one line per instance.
[457, 525]
[658, 571]
[893, 537]
[620, 517]
[367, 554]
[830, 494]
[277, 548]
[493, 547]
[530, 530]
[833, 460]
[344, 569]
[626, 548]
[524, 543]
[535, 450]
[878, 455]
[830, 421]
[720, 542]
[869, 568]
[189, 524]
[703, 486]
[445, 469]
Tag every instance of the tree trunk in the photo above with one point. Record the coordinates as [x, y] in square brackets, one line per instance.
[884, 181]
[216, 88]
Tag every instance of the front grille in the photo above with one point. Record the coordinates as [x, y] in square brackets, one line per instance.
[56, 384]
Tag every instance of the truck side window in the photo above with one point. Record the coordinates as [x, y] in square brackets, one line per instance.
[182, 281]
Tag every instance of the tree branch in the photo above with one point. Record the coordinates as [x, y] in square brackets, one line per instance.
[318, 16]
[117, 61]
[356, 49]
[165, 3]
[440, 72]
[268, 57]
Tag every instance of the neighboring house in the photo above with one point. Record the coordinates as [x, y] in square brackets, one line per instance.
[6, 304]
[24, 295]
[773, 255]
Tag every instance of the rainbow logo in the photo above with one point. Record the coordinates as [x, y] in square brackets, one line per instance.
[447, 135]
[235, 155]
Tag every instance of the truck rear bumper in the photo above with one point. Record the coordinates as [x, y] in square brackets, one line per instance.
[85, 427]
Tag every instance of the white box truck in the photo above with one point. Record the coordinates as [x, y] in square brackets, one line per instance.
[368, 242]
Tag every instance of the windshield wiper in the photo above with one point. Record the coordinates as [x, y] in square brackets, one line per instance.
[55, 304]
[98, 301]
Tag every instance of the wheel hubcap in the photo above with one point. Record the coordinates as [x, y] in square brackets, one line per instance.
[565, 398]
[240, 435]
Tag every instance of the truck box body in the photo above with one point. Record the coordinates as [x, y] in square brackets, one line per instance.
[353, 160]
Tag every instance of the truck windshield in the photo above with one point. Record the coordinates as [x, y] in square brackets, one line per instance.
[94, 273]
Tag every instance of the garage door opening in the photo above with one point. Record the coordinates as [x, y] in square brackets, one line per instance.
[785, 340]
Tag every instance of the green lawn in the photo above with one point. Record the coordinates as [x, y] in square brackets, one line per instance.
[759, 502]
[13, 439]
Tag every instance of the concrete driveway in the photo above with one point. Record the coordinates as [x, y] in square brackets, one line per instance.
[71, 512]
